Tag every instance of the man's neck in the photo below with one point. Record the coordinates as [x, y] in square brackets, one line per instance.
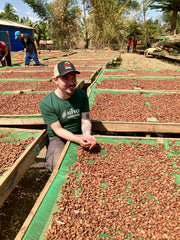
[61, 94]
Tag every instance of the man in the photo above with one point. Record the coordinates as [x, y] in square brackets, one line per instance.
[5, 56]
[134, 44]
[31, 47]
[66, 113]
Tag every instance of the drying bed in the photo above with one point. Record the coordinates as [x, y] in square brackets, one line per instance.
[134, 107]
[135, 112]
[15, 85]
[30, 85]
[22, 104]
[139, 72]
[92, 62]
[102, 55]
[18, 150]
[23, 68]
[48, 69]
[39, 75]
[29, 75]
[124, 188]
[169, 84]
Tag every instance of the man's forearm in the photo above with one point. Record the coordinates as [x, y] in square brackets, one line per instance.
[86, 127]
[65, 134]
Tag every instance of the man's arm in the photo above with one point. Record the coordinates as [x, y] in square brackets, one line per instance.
[86, 124]
[6, 53]
[37, 48]
[86, 130]
[65, 134]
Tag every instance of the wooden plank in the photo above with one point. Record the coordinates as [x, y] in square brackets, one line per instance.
[139, 76]
[41, 196]
[16, 172]
[151, 127]
[17, 120]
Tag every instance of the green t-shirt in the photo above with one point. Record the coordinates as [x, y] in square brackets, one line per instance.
[68, 112]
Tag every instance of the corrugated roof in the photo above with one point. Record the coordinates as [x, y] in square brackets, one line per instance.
[10, 23]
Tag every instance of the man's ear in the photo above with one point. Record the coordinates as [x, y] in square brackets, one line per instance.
[55, 79]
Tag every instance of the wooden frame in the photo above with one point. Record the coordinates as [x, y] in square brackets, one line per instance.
[149, 127]
[22, 164]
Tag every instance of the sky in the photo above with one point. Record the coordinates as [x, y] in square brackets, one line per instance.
[23, 10]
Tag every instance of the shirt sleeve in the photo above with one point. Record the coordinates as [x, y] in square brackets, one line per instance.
[85, 107]
[3, 44]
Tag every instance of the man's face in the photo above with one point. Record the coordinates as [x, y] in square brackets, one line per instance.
[19, 36]
[67, 83]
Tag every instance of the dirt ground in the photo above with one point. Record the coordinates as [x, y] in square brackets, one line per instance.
[132, 61]
[17, 207]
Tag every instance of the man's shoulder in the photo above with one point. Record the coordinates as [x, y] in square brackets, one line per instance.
[26, 35]
[48, 97]
[80, 91]
[3, 44]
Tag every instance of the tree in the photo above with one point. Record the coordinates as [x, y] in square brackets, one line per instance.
[65, 22]
[166, 17]
[9, 13]
[106, 20]
[40, 7]
[167, 6]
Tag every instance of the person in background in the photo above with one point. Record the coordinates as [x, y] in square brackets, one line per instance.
[134, 44]
[128, 44]
[5, 55]
[148, 45]
[66, 113]
[31, 48]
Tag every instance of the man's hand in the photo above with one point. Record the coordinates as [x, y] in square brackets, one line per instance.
[88, 141]
[91, 140]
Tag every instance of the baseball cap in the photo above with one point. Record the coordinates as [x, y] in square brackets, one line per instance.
[16, 34]
[63, 68]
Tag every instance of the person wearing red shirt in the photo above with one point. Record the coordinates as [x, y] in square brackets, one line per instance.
[134, 44]
[5, 56]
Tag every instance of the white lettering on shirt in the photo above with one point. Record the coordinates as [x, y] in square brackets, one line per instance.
[71, 113]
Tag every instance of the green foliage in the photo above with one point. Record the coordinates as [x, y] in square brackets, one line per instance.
[65, 23]
[106, 20]
[167, 6]
[153, 27]
[164, 5]
[9, 13]
[39, 7]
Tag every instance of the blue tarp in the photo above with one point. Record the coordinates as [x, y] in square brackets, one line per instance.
[16, 45]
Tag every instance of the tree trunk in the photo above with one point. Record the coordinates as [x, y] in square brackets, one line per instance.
[85, 26]
[174, 17]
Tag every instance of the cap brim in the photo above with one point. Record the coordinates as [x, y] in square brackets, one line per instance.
[77, 72]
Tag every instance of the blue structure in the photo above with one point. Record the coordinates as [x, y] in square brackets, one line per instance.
[7, 30]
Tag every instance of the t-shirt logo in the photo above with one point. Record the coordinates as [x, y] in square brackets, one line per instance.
[67, 65]
[71, 113]
[64, 114]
